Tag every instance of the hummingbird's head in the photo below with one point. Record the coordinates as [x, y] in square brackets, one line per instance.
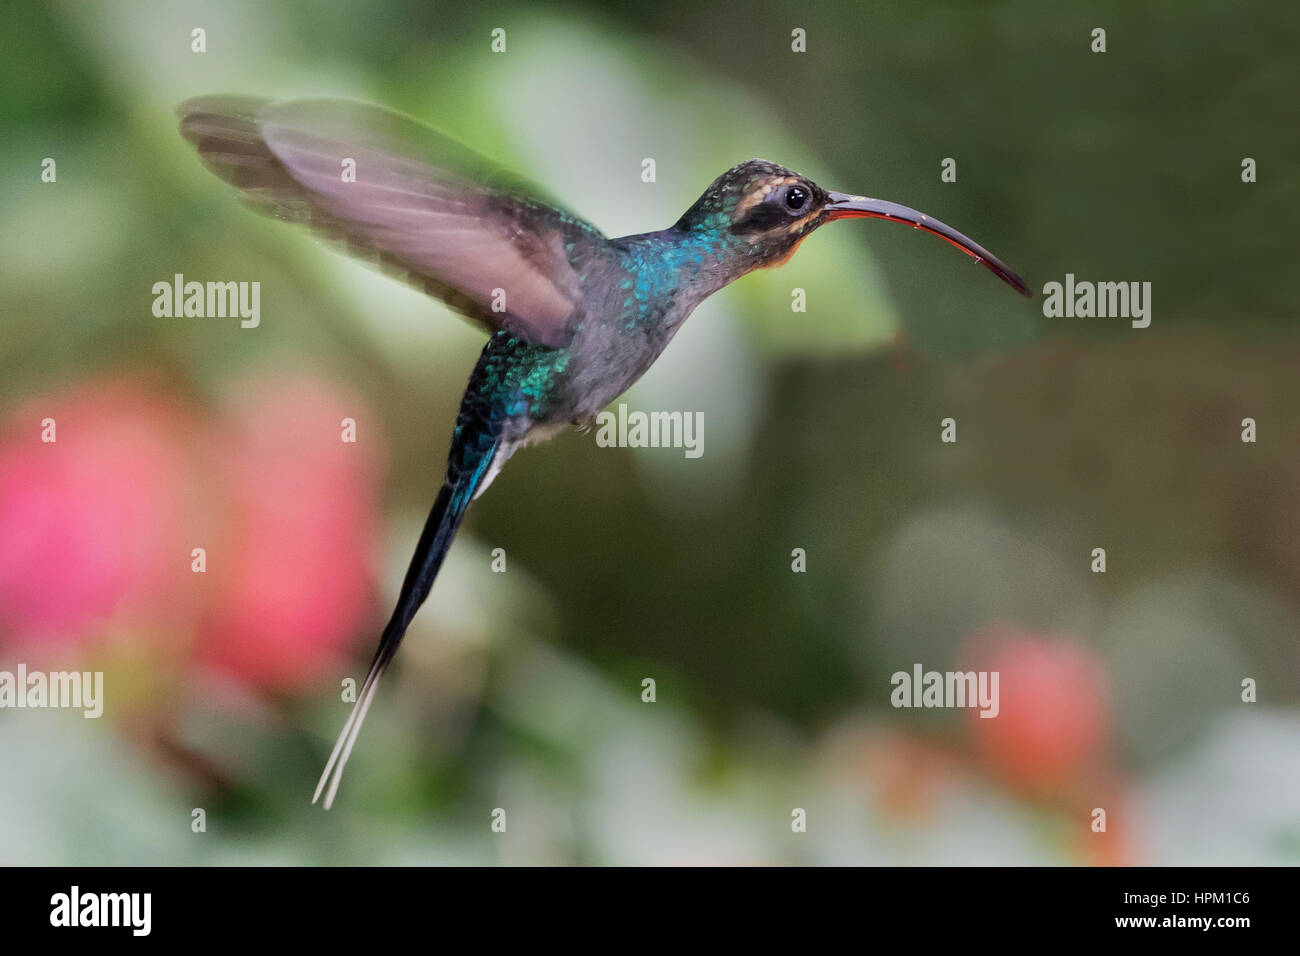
[762, 209]
[765, 210]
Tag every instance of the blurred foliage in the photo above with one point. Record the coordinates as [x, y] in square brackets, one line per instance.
[522, 690]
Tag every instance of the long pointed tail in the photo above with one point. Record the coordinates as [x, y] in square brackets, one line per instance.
[444, 519]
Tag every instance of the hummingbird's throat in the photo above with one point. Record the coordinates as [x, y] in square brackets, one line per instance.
[786, 258]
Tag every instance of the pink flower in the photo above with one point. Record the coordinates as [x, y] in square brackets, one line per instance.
[91, 524]
[291, 567]
[1053, 723]
[98, 528]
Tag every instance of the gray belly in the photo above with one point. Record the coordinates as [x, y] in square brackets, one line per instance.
[605, 362]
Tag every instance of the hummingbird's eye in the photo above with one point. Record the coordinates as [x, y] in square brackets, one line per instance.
[795, 198]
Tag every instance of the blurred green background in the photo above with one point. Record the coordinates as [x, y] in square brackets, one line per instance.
[522, 690]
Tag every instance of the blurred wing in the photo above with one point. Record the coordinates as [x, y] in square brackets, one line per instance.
[419, 205]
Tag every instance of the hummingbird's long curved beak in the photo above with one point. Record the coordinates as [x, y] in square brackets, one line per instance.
[844, 206]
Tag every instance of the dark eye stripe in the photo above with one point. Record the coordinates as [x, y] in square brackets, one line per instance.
[764, 216]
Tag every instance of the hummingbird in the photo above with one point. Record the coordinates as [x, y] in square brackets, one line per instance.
[573, 317]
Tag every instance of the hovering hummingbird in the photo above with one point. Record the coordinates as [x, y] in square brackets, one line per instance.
[573, 317]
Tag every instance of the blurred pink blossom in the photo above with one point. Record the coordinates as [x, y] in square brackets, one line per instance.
[291, 564]
[97, 528]
[92, 524]
[1054, 721]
